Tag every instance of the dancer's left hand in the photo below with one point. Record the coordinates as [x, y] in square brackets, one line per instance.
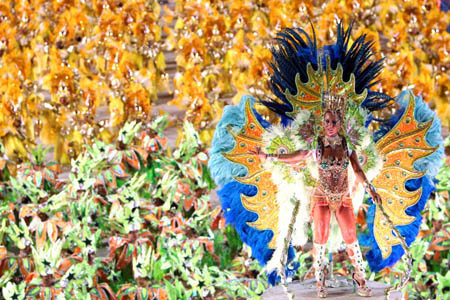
[376, 198]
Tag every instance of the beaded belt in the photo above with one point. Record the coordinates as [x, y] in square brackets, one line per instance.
[334, 199]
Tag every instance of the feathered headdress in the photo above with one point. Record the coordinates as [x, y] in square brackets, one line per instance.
[304, 77]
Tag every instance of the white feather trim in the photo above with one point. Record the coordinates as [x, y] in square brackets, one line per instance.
[287, 194]
[284, 217]
[279, 131]
[301, 118]
[300, 234]
[288, 191]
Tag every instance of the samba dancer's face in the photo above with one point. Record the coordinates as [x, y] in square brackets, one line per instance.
[331, 124]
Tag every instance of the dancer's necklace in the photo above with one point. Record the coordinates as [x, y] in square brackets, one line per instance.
[332, 141]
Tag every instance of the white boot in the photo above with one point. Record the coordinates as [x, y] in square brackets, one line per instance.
[359, 276]
[319, 264]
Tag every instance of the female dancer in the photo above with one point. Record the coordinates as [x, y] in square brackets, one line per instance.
[332, 196]
[324, 102]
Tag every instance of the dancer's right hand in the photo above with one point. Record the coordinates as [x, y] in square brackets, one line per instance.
[259, 153]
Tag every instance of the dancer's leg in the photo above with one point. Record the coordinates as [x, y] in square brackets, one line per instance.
[347, 223]
[321, 216]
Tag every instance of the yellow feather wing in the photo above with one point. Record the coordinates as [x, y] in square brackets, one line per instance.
[264, 202]
[403, 145]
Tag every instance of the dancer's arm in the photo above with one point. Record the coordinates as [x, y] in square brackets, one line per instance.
[290, 158]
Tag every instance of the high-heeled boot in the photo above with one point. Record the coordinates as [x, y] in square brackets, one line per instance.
[319, 264]
[359, 276]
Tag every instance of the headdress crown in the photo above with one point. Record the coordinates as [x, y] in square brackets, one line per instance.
[332, 102]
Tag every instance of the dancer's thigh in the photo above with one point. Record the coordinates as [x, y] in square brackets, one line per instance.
[321, 215]
[347, 223]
